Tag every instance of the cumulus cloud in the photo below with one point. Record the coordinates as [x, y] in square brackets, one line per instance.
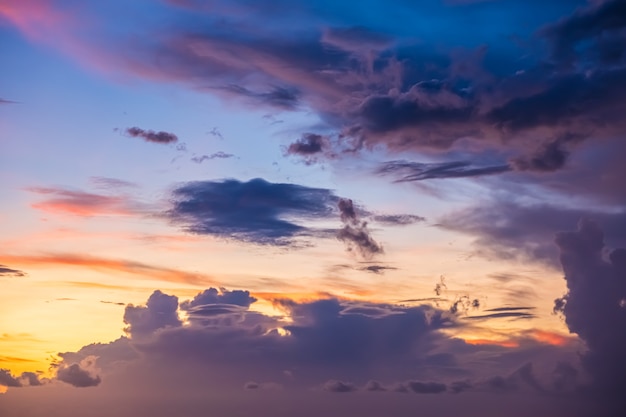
[594, 305]
[222, 296]
[254, 211]
[151, 136]
[77, 376]
[160, 311]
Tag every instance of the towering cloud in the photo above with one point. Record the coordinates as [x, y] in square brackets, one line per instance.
[595, 303]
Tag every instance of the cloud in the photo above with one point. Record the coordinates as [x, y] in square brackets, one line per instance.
[255, 211]
[220, 155]
[139, 269]
[151, 136]
[8, 380]
[80, 203]
[594, 305]
[509, 230]
[160, 312]
[374, 386]
[5, 271]
[30, 379]
[377, 269]
[398, 219]
[355, 233]
[322, 340]
[591, 33]
[405, 171]
[223, 296]
[75, 375]
[338, 386]
[550, 156]
[310, 146]
[419, 387]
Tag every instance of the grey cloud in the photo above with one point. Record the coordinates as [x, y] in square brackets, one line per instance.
[338, 386]
[8, 380]
[160, 312]
[216, 155]
[594, 303]
[419, 387]
[374, 386]
[355, 233]
[398, 219]
[5, 271]
[405, 171]
[151, 136]
[77, 376]
[513, 231]
[253, 211]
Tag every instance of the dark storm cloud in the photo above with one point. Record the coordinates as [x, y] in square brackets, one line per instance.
[77, 376]
[5, 271]
[151, 136]
[595, 303]
[355, 232]
[405, 171]
[595, 31]
[160, 312]
[514, 231]
[254, 211]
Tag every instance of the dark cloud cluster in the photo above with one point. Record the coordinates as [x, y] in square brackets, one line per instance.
[151, 136]
[256, 211]
[595, 303]
[355, 232]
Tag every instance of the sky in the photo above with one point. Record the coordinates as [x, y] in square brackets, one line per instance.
[277, 208]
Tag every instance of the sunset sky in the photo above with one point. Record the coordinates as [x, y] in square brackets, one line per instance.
[279, 207]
